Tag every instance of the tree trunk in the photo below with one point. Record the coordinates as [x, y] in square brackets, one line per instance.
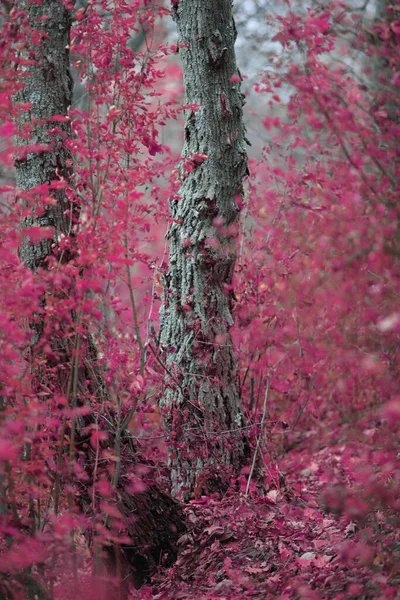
[48, 88]
[152, 520]
[385, 64]
[201, 406]
[387, 97]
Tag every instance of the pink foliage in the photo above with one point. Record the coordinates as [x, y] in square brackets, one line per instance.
[317, 318]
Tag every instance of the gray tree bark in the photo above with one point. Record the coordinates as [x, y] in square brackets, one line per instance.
[383, 66]
[48, 88]
[200, 405]
[153, 519]
[387, 96]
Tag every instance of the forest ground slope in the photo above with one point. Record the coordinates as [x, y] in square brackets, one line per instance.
[327, 528]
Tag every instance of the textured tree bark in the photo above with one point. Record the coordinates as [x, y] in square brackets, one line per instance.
[200, 406]
[48, 88]
[153, 520]
[383, 66]
[387, 95]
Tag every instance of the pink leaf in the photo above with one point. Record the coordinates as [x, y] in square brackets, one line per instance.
[7, 450]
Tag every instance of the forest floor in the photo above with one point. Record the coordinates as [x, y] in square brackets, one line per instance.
[326, 524]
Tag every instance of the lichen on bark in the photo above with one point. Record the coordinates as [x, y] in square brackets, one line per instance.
[200, 405]
[47, 89]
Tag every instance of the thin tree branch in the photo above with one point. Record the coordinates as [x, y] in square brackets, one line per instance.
[253, 464]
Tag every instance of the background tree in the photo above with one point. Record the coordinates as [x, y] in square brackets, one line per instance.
[62, 351]
[200, 405]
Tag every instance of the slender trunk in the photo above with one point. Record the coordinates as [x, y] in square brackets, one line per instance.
[48, 89]
[153, 520]
[201, 406]
[385, 65]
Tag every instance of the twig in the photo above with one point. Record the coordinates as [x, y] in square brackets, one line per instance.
[253, 464]
[153, 288]
[134, 313]
[310, 390]
[251, 403]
